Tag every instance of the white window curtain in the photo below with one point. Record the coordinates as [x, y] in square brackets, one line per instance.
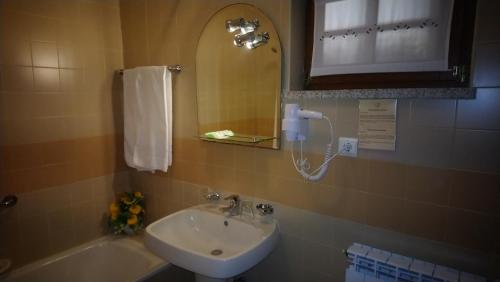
[373, 36]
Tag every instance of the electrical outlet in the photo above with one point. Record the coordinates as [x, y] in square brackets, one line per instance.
[348, 147]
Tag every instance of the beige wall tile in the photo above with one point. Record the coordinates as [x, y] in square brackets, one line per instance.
[133, 25]
[17, 78]
[318, 258]
[61, 219]
[47, 8]
[66, 33]
[486, 64]
[15, 52]
[44, 54]
[427, 146]
[46, 79]
[292, 192]
[43, 29]
[192, 194]
[62, 239]
[433, 113]
[71, 81]
[57, 198]
[476, 150]
[218, 154]
[69, 10]
[17, 106]
[246, 182]
[245, 158]
[69, 55]
[34, 247]
[481, 112]
[50, 105]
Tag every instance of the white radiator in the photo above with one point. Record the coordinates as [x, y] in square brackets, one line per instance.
[367, 264]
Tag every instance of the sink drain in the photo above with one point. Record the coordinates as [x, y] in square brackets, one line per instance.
[216, 252]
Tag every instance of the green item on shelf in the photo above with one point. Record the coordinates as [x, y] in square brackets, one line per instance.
[221, 134]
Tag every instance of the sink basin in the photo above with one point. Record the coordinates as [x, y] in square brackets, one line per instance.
[203, 240]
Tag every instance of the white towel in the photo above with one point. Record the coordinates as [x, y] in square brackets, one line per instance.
[148, 118]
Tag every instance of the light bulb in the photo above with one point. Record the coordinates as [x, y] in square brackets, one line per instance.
[233, 25]
[243, 39]
[249, 26]
[258, 40]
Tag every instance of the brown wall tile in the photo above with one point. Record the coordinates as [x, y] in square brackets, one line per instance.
[424, 220]
[36, 166]
[385, 212]
[345, 203]
[469, 229]
[475, 191]
[427, 184]
[386, 178]
[22, 156]
[350, 173]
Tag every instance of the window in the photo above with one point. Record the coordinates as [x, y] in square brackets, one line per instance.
[388, 43]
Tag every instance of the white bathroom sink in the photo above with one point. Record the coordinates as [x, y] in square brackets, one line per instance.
[203, 240]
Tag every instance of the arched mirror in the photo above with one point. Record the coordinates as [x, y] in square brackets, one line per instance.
[238, 68]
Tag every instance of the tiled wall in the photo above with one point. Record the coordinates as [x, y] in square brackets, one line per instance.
[60, 118]
[310, 245]
[51, 220]
[439, 180]
[442, 183]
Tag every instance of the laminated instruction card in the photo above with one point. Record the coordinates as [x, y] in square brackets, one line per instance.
[377, 124]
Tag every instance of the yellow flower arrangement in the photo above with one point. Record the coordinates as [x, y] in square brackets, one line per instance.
[126, 216]
[132, 220]
[136, 209]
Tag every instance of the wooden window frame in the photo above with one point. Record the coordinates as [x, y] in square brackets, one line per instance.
[459, 59]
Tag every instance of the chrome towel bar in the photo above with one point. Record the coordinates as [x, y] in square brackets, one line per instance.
[176, 68]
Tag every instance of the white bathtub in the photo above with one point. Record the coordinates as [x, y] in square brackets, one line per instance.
[107, 259]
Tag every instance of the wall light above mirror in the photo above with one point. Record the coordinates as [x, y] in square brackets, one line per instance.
[239, 89]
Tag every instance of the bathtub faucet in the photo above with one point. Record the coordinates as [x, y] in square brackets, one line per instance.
[8, 202]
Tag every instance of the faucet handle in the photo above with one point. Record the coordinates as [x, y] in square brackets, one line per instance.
[265, 209]
[233, 197]
[212, 196]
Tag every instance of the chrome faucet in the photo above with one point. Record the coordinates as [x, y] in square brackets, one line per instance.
[212, 196]
[234, 207]
[8, 202]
